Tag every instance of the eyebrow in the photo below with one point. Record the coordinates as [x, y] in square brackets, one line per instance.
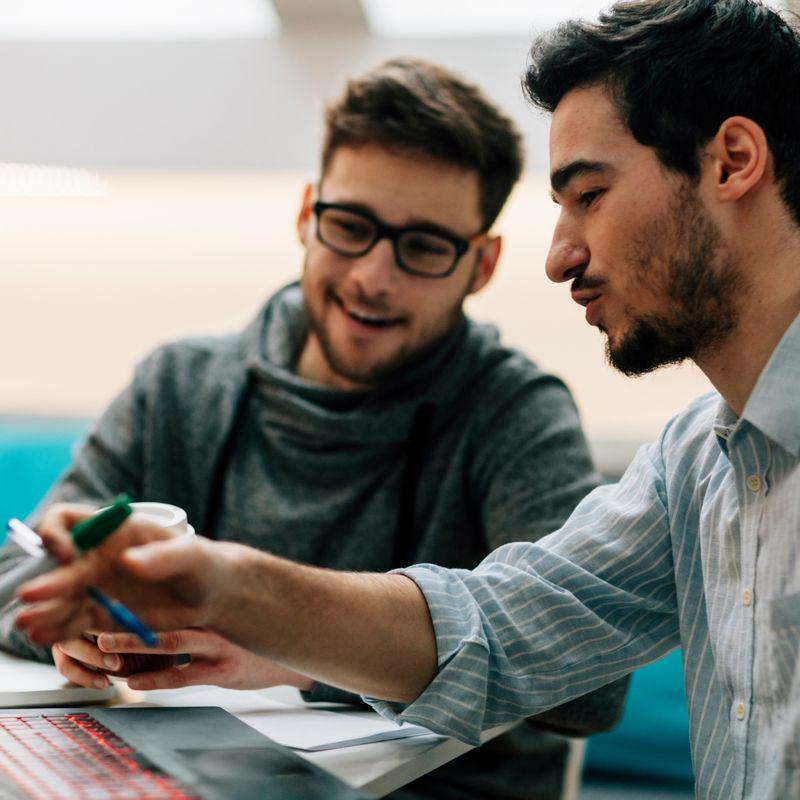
[415, 223]
[560, 178]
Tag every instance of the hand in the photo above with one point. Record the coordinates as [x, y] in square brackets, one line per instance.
[370, 634]
[214, 661]
[84, 663]
[171, 581]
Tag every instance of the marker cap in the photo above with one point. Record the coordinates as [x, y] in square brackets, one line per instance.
[92, 531]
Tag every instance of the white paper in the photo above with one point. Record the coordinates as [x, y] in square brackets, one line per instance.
[292, 725]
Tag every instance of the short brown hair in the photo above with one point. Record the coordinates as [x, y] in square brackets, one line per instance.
[413, 105]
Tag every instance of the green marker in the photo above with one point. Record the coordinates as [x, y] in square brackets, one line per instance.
[85, 535]
[92, 532]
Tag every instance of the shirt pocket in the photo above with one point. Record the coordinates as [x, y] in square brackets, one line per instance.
[784, 617]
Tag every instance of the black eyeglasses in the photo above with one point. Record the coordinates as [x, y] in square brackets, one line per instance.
[419, 251]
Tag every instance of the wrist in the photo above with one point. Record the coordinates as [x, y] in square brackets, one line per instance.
[238, 596]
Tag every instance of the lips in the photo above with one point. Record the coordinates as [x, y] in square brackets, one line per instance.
[593, 311]
[590, 300]
[370, 319]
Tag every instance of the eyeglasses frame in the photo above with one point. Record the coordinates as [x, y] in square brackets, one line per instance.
[393, 233]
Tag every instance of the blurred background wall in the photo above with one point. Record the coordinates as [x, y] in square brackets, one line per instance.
[153, 157]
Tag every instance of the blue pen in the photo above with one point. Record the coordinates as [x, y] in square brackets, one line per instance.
[43, 562]
[123, 616]
[90, 533]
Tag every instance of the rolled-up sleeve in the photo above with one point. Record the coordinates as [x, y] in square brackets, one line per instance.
[538, 624]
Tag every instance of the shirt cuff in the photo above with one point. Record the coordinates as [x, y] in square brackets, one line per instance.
[454, 702]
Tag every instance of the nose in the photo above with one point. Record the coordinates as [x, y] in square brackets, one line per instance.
[569, 255]
[375, 272]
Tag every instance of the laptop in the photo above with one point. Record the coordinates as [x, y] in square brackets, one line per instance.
[195, 753]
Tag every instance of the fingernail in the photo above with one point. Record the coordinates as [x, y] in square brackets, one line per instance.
[100, 683]
[108, 640]
[112, 662]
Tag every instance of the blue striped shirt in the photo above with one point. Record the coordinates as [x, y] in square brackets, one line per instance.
[697, 546]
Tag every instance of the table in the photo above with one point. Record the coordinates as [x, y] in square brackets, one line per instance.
[376, 768]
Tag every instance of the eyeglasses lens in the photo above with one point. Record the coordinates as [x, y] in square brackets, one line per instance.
[350, 233]
[426, 253]
[419, 252]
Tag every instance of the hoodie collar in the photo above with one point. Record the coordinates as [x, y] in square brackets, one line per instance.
[271, 347]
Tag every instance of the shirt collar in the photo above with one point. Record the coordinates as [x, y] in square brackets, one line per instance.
[774, 405]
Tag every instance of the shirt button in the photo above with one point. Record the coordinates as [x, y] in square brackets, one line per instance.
[754, 483]
[740, 711]
[747, 597]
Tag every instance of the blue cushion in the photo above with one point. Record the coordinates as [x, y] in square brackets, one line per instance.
[652, 739]
[33, 452]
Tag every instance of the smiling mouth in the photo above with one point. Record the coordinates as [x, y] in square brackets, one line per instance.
[368, 318]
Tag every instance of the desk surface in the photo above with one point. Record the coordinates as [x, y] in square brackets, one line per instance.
[376, 768]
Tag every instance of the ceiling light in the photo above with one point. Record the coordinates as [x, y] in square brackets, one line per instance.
[36, 180]
[136, 19]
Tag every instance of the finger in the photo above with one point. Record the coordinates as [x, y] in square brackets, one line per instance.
[73, 670]
[63, 582]
[119, 665]
[48, 635]
[187, 640]
[88, 653]
[54, 621]
[55, 527]
[157, 561]
[93, 566]
[65, 515]
[51, 613]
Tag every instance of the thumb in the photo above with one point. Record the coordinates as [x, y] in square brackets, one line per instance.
[157, 561]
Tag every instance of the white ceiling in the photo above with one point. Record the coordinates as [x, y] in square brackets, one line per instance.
[223, 19]
[204, 84]
[471, 17]
[109, 20]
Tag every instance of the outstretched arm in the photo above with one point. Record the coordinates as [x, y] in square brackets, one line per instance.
[370, 634]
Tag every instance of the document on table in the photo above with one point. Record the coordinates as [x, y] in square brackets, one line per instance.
[292, 725]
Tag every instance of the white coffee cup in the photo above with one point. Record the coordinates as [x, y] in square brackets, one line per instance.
[170, 517]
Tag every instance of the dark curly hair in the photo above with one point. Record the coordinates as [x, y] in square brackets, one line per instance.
[677, 69]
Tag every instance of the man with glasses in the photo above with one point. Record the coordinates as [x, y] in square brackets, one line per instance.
[362, 421]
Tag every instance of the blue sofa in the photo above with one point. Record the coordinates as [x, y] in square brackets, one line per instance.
[650, 743]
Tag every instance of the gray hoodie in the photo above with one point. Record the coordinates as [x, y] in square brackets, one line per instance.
[470, 447]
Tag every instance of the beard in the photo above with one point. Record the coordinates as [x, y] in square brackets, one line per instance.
[404, 357]
[680, 257]
[368, 375]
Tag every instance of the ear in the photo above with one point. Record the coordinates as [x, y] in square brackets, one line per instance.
[489, 253]
[740, 155]
[306, 210]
